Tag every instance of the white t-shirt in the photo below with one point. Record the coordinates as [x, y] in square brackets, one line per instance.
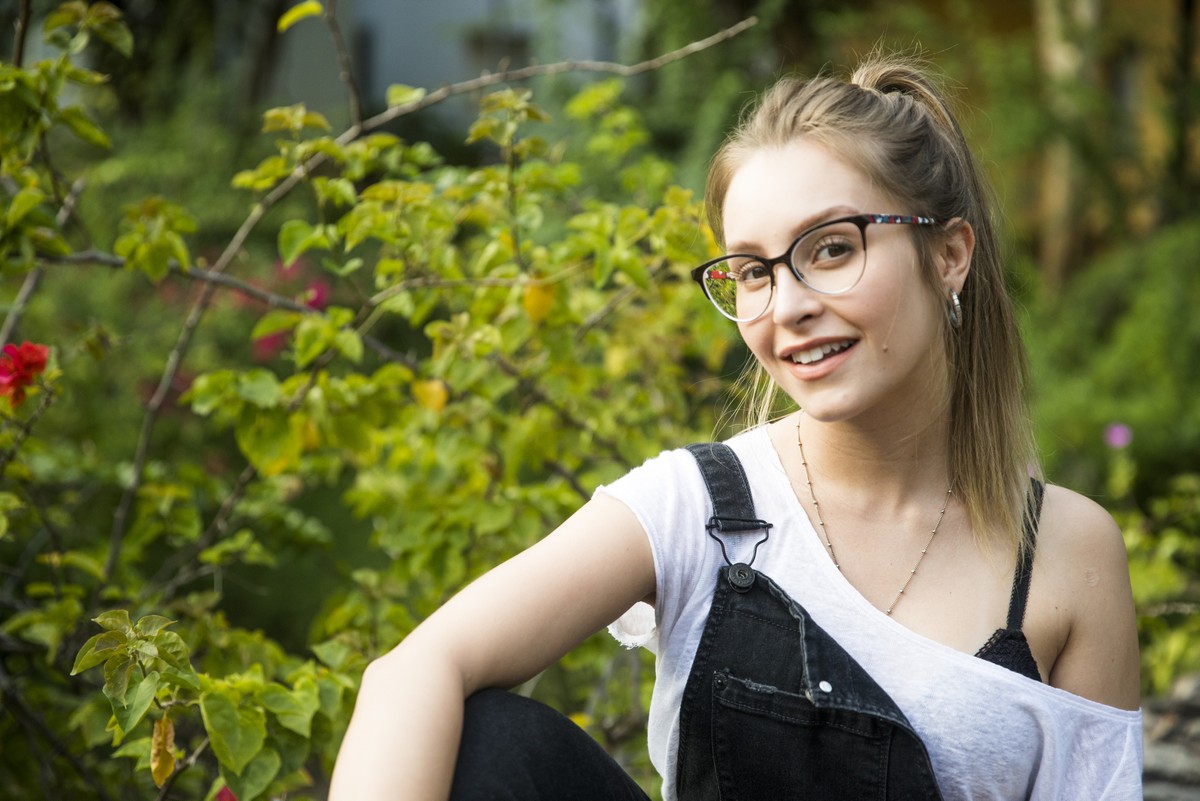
[990, 733]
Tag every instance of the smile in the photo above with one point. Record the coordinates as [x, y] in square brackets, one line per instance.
[813, 355]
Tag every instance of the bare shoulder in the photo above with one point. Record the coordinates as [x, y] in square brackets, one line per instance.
[1073, 525]
[1083, 571]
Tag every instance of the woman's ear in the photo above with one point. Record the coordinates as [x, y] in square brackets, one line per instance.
[954, 254]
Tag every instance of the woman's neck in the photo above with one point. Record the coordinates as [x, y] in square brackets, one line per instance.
[888, 465]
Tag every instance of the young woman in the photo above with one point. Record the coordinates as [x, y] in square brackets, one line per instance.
[868, 598]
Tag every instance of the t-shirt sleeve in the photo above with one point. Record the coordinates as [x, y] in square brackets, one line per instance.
[668, 497]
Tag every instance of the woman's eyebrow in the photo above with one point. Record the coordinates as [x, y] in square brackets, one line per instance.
[831, 213]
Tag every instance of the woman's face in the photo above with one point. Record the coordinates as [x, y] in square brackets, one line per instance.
[875, 350]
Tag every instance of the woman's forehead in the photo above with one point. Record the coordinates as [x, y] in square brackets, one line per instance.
[778, 192]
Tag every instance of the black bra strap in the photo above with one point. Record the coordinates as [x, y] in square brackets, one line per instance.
[1024, 572]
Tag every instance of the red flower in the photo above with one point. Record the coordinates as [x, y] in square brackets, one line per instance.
[226, 795]
[19, 366]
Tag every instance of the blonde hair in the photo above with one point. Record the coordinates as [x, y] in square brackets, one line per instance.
[892, 121]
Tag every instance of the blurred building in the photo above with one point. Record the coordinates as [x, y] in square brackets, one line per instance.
[428, 43]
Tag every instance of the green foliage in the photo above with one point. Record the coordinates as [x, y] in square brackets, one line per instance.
[1163, 540]
[1119, 346]
[458, 357]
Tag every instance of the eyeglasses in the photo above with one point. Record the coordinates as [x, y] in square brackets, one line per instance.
[829, 258]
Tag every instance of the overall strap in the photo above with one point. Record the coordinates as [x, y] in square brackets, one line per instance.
[1020, 589]
[733, 506]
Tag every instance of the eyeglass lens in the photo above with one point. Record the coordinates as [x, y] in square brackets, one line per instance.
[829, 259]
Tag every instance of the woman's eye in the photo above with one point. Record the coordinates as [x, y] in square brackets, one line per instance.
[832, 251]
[753, 271]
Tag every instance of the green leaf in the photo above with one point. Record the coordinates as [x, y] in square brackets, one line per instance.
[272, 442]
[98, 649]
[333, 653]
[260, 388]
[173, 650]
[23, 202]
[138, 697]
[398, 94]
[85, 563]
[115, 620]
[117, 672]
[69, 13]
[150, 625]
[115, 34]
[294, 710]
[350, 344]
[237, 731]
[296, 237]
[274, 322]
[313, 336]
[82, 126]
[210, 392]
[309, 8]
[256, 777]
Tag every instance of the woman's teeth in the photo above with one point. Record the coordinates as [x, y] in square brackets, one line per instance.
[819, 352]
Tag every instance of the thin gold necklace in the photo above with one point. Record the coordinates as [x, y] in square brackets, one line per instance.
[829, 544]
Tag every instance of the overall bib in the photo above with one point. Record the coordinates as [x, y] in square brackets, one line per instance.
[773, 707]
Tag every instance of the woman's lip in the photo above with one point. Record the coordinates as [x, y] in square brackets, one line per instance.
[811, 372]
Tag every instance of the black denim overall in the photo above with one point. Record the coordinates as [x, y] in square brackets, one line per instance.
[774, 709]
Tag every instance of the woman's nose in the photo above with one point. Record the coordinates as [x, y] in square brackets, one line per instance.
[794, 300]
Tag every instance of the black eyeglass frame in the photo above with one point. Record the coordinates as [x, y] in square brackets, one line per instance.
[859, 220]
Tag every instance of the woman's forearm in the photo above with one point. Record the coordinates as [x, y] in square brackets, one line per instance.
[403, 738]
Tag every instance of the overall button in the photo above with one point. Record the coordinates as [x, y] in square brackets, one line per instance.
[741, 577]
[825, 687]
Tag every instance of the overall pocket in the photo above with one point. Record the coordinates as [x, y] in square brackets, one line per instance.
[773, 744]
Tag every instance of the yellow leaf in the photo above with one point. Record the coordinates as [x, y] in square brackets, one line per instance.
[431, 394]
[538, 300]
[309, 8]
[581, 719]
[162, 751]
[616, 361]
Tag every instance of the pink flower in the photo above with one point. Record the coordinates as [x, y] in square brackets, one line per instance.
[317, 294]
[1118, 436]
[226, 794]
[19, 366]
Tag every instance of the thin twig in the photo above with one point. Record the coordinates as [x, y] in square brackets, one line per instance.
[216, 529]
[165, 790]
[345, 66]
[22, 31]
[570, 477]
[275, 301]
[34, 277]
[13, 318]
[25, 428]
[542, 70]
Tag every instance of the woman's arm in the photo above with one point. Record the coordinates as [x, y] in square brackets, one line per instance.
[1088, 571]
[501, 630]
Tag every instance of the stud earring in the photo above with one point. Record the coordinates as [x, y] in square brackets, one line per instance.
[954, 311]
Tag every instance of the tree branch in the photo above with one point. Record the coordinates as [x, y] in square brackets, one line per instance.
[345, 71]
[34, 277]
[22, 30]
[25, 428]
[542, 70]
[165, 790]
